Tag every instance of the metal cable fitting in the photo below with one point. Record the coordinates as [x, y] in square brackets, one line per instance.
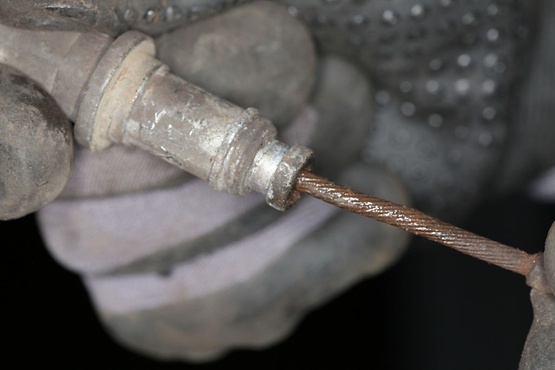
[142, 104]
[118, 92]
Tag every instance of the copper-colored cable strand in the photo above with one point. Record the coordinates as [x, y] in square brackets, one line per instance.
[417, 223]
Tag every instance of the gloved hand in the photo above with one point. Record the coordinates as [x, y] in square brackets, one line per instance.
[438, 145]
[177, 270]
[36, 145]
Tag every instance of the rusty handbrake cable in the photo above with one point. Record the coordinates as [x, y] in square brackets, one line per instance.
[418, 223]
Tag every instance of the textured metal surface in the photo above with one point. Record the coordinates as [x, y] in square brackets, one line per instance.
[36, 145]
[417, 223]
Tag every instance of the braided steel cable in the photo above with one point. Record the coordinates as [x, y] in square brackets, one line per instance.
[417, 223]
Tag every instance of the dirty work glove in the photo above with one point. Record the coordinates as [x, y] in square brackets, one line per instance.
[203, 272]
[445, 74]
[177, 270]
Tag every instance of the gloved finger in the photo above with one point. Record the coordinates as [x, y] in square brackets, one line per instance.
[342, 103]
[272, 54]
[119, 170]
[82, 233]
[36, 145]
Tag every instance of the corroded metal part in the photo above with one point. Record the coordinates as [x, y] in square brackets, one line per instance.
[36, 145]
[133, 99]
